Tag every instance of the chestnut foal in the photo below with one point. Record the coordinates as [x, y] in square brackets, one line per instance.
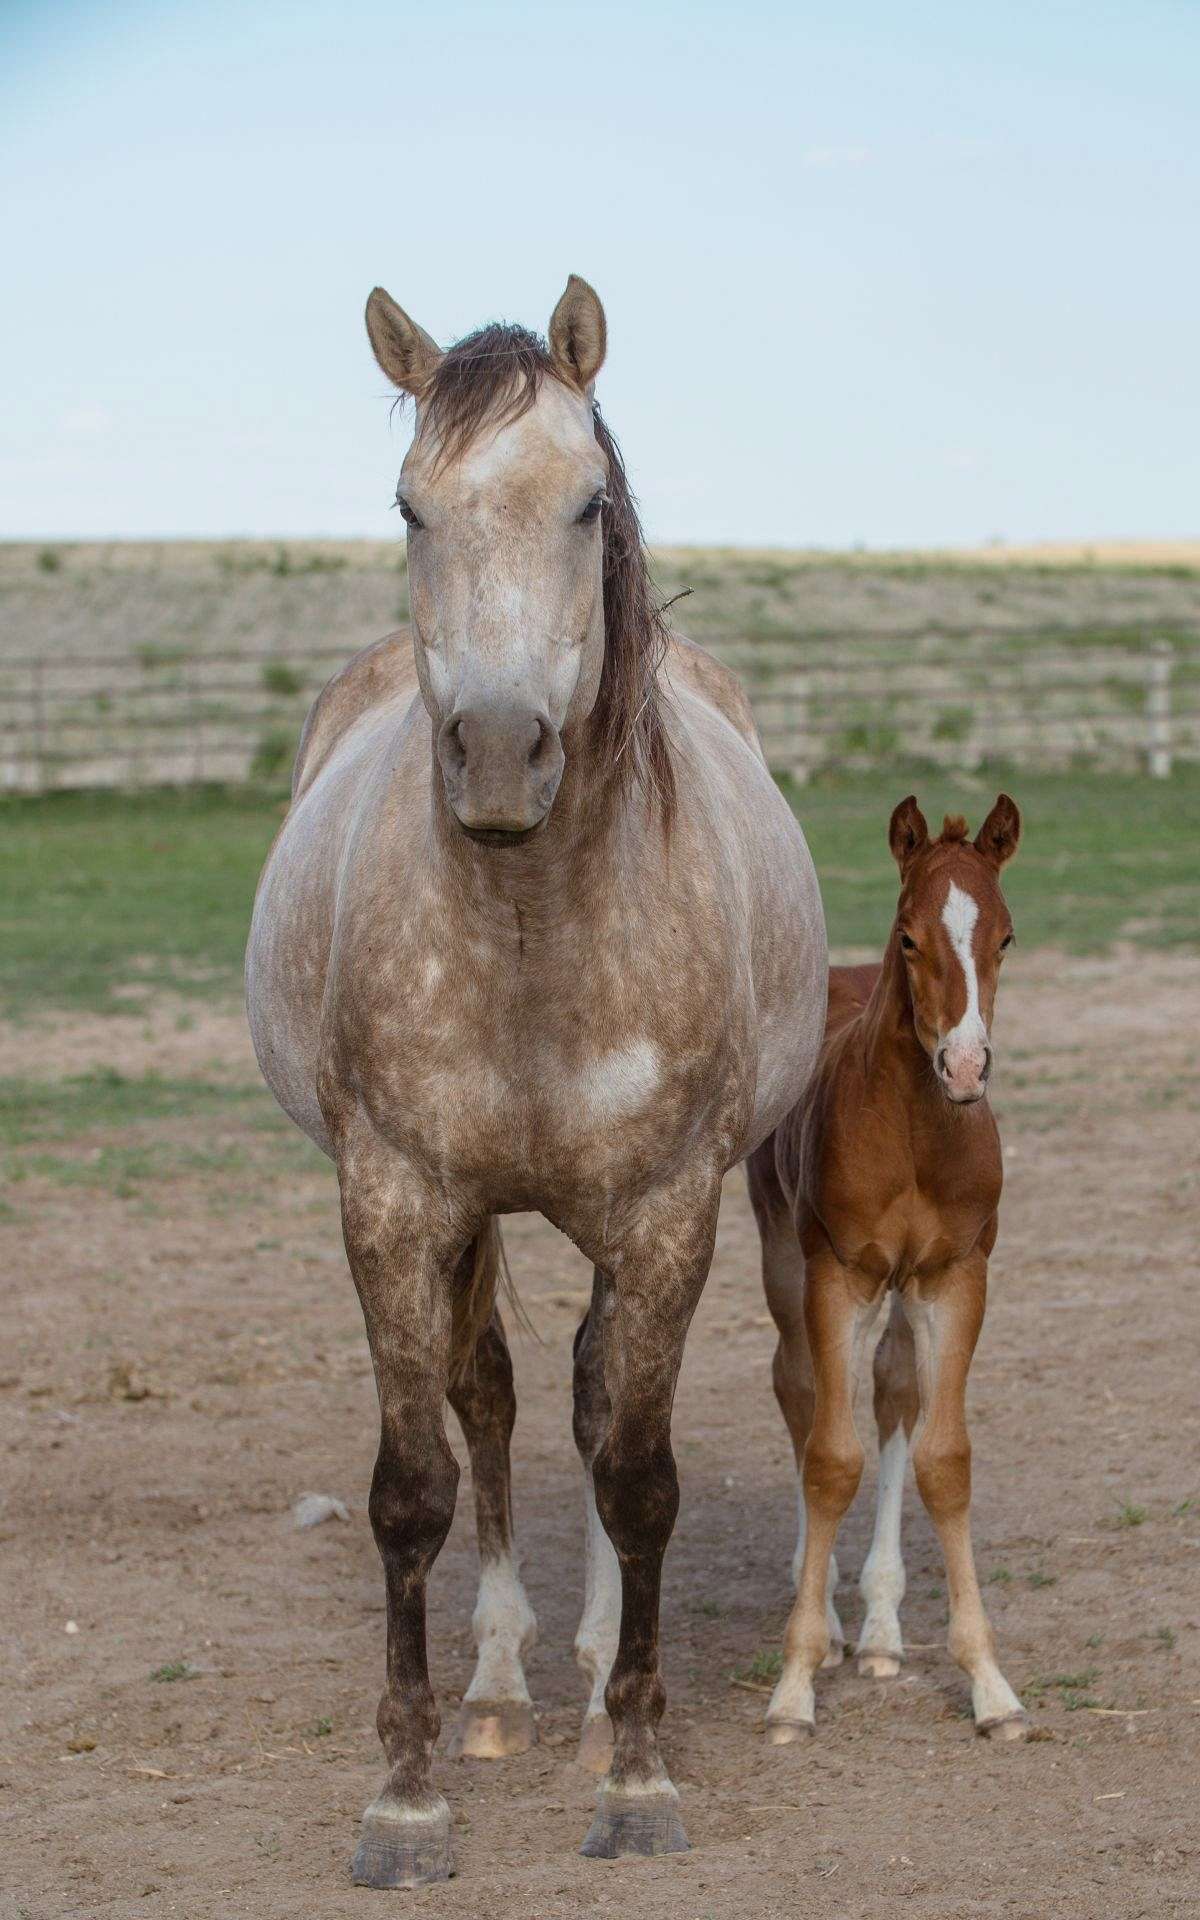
[882, 1182]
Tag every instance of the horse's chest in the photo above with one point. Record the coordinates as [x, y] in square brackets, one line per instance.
[913, 1235]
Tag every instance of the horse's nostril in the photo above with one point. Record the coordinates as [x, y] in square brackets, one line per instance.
[940, 1061]
[986, 1068]
[543, 744]
[452, 748]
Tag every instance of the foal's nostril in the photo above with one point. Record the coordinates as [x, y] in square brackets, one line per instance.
[940, 1061]
[986, 1068]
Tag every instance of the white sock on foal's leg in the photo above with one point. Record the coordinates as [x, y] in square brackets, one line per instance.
[880, 1645]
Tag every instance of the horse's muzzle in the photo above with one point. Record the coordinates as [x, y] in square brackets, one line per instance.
[501, 769]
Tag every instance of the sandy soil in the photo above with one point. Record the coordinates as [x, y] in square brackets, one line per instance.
[179, 1364]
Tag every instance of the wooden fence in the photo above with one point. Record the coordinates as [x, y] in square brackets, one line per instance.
[164, 716]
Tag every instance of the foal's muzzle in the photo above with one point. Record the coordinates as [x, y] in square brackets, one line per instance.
[501, 768]
[964, 1071]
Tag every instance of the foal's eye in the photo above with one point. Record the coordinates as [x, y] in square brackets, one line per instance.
[409, 518]
[1007, 941]
[910, 946]
[592, 510]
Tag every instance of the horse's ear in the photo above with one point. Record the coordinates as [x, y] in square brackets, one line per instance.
[907, 833]
[578, 334]
[403, 349]
[998, 836]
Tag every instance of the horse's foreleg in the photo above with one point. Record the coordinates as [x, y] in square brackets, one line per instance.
[658, 1271]
[600, 1625]
[880, 1645]
[838, 1321]
[791, 1371]
[945, 1321]
[403, 1268]
[497, 1713]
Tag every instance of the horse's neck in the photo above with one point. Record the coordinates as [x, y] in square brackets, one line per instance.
[896, 1066]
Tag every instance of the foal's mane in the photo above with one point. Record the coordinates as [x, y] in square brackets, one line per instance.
[491, 378]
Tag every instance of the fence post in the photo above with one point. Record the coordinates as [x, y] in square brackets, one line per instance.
[1158, 710]
[39, 725]
[800, 757]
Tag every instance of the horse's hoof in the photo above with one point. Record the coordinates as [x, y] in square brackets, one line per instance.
[836, 1654]
[403, 1846]
[1013, 1727]
[784, 1733]
[644, 1823]
[493, 1730]
[878, 1666]
[596, 1744]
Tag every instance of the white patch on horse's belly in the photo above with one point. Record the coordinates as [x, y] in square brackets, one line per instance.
[619, 1083]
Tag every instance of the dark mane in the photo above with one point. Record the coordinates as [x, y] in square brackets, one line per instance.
[491, 379]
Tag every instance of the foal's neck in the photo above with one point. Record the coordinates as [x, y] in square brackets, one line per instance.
[896, 1062]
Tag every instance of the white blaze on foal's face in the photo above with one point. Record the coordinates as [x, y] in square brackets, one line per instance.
[963, 1057]
[953, 928]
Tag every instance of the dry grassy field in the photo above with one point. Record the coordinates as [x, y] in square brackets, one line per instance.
[188, 1684]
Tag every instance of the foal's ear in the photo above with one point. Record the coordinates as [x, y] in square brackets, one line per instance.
[578, 334]
[998, 836]
[403, 349]
[908, 833]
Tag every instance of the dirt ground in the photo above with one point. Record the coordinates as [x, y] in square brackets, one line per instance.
[189, 1684]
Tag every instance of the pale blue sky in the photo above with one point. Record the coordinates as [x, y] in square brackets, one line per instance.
[900, 274]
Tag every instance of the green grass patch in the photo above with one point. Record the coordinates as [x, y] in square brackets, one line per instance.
[108, 894]
[33, 1112]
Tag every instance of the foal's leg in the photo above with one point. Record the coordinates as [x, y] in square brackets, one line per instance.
[497, 1713]
[946, 1318]
[792, 1374]
[658, 1270]
[403, 1262]
[599, 1628]
[880, 1646]
[838, 1320]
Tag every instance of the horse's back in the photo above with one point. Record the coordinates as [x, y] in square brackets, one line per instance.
[688, 665]
[849, 990]
[376, 675]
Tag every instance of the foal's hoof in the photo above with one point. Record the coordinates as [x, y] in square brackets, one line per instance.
[836, 1654]
[596, 1744]
[1013, 1727]
[493, 1730]
[878, 1666]
[785, 1733]
[645, 1823]
[403, 1846]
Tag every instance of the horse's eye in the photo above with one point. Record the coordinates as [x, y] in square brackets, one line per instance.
[409, 518]
[1007, 941]
[592, 510]
[910, 946]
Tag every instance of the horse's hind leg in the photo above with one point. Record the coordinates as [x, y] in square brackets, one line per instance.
[946, 1322]
[880, 1646]
[792, 1374]
[600, 1625]
[497, 1714]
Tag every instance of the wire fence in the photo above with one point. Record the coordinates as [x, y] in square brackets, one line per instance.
[956, 698]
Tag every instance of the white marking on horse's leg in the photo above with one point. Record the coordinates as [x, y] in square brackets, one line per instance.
[970, 1639]
[505, 1629]
[837, 1633]
[600, 1625]
[880, 1646]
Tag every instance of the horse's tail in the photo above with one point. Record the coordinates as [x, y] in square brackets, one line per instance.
[483, 1273]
